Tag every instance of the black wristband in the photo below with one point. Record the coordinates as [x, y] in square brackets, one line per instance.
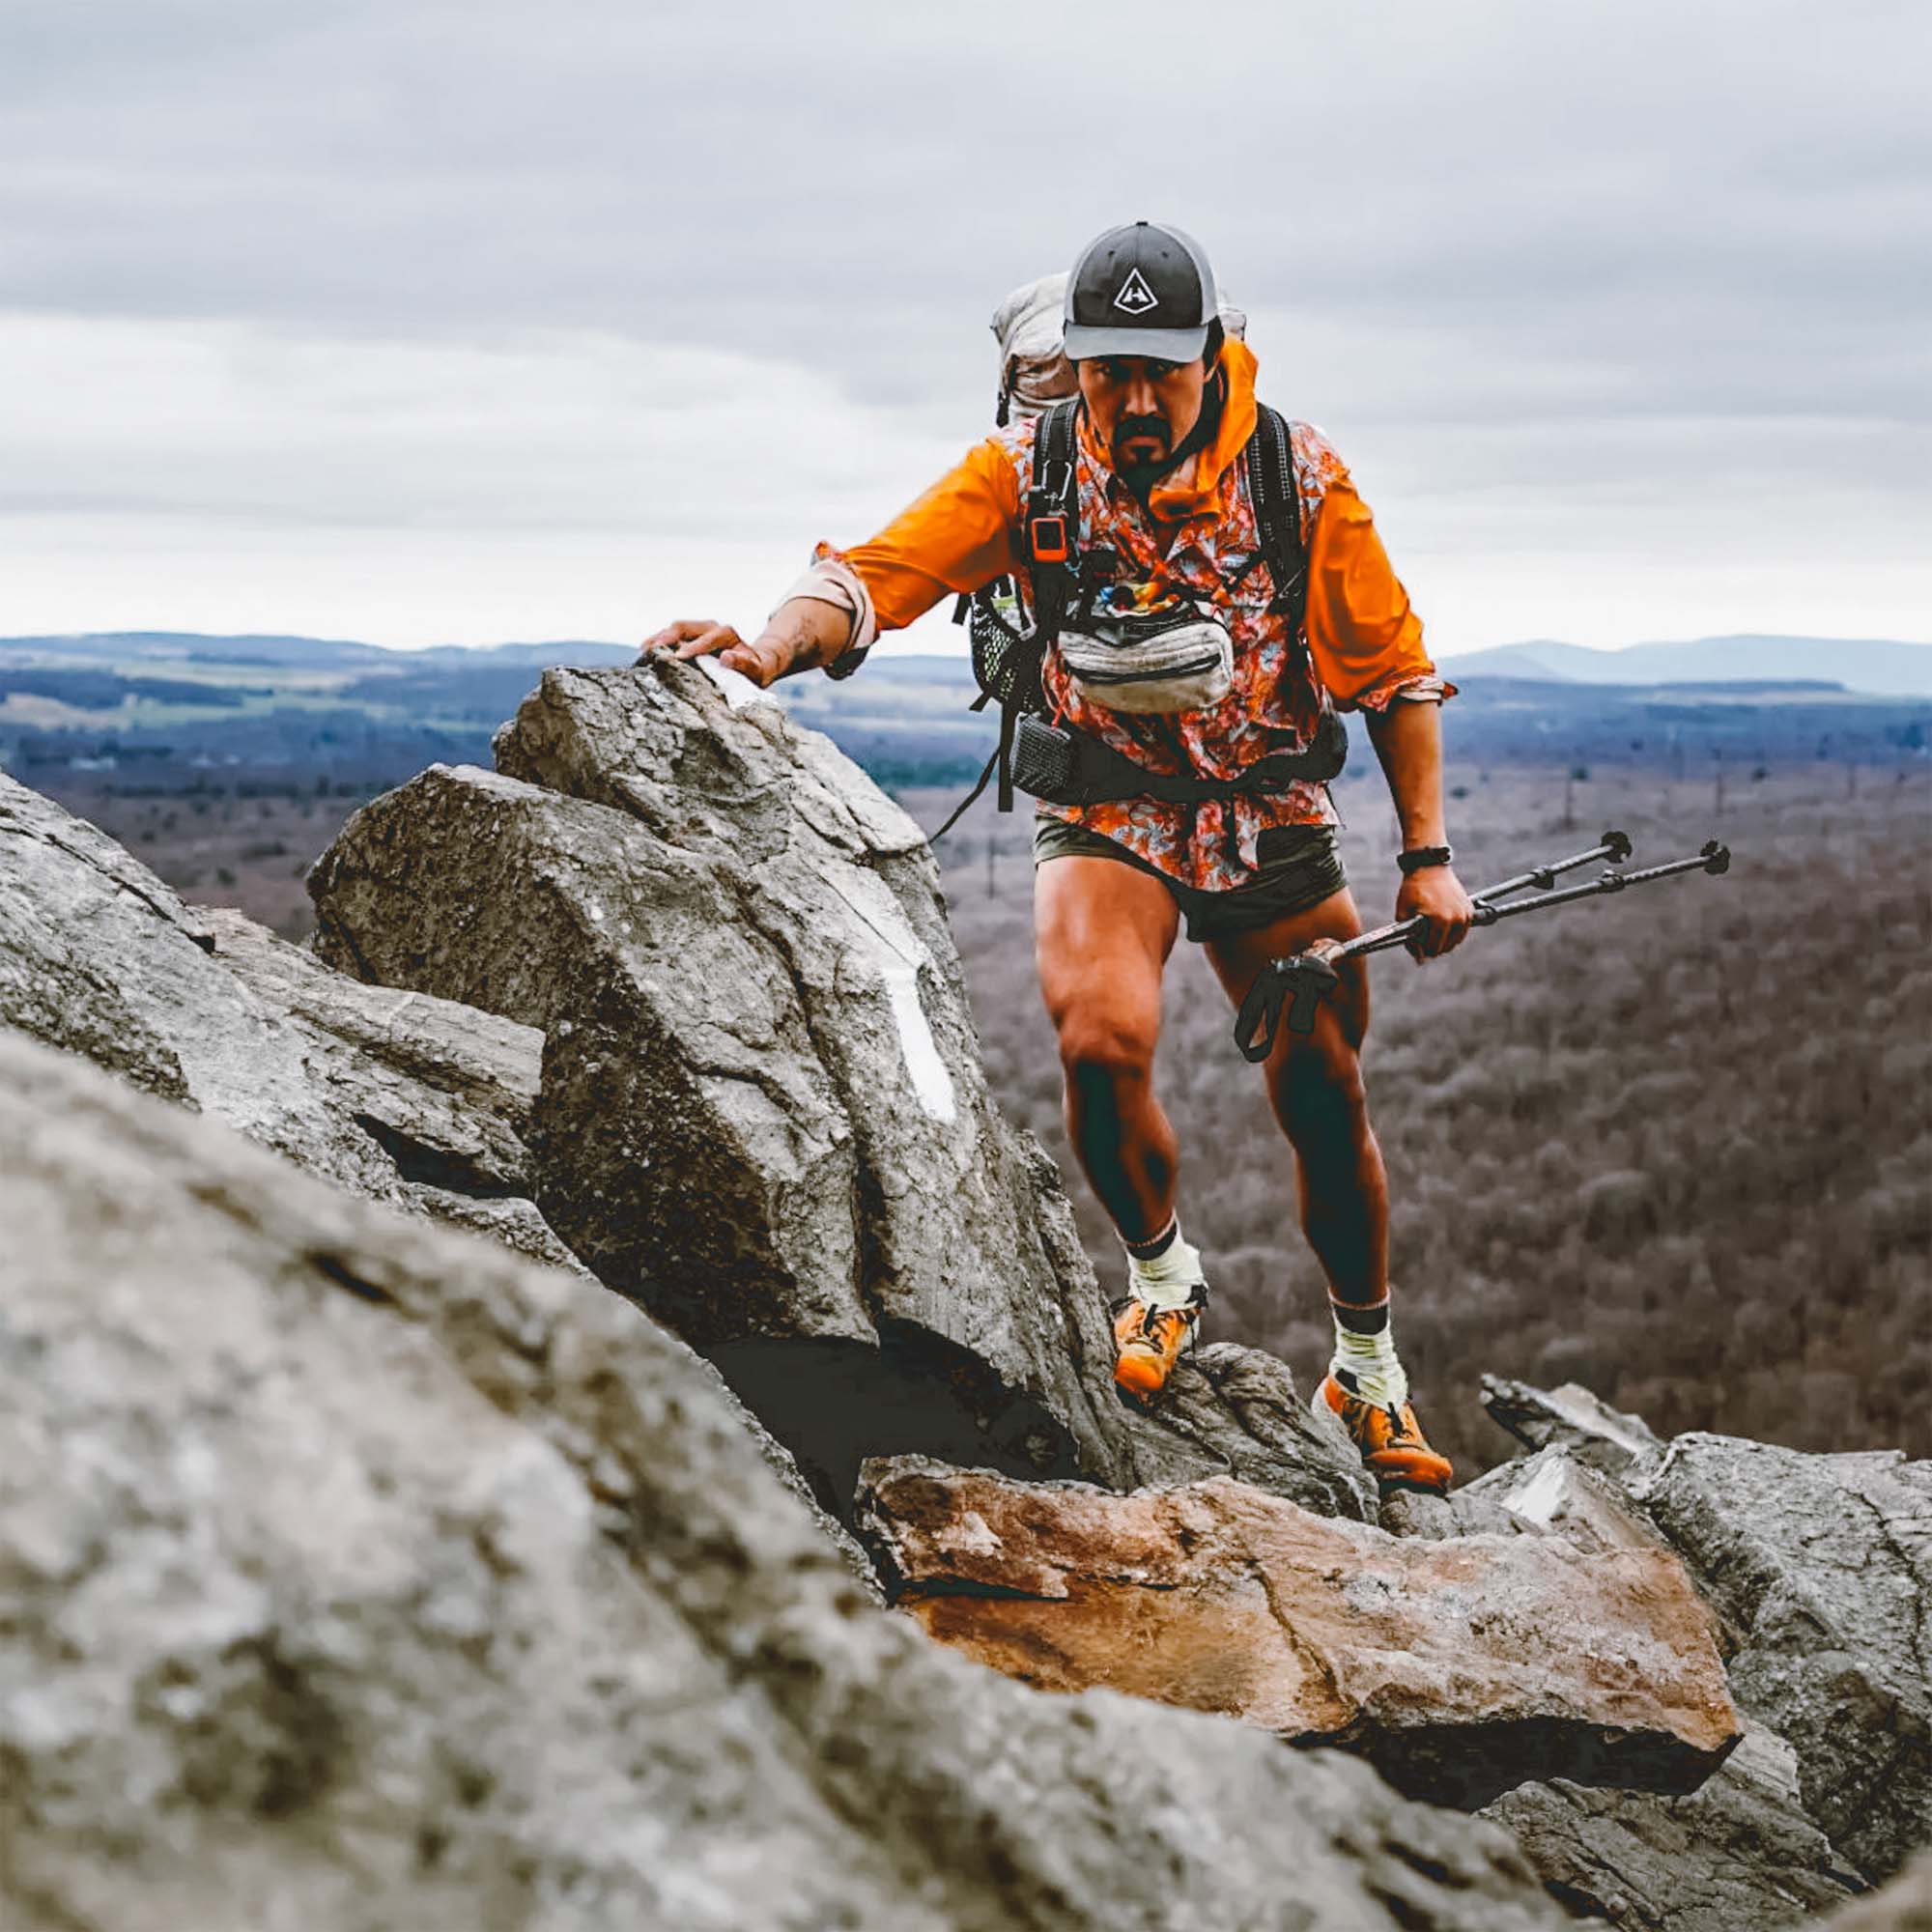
[1420, 858]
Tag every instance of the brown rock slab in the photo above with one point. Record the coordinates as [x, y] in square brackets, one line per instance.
[1460, 1667]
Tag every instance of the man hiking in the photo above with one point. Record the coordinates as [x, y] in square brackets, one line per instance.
[1179, 652]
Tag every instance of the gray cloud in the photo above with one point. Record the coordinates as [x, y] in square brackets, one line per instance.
[1605, 274]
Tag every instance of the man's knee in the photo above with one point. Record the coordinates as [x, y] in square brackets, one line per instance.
[1318, 1088]
[1104, 1045]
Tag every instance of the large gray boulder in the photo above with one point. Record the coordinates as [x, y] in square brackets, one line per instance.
[403, 1098]
[1737, 1854]
[358, 1573]
[397, 1095]
[763, 1114]
[1823, 1565]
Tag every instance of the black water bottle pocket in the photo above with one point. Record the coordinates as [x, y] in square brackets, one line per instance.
[1045, 765]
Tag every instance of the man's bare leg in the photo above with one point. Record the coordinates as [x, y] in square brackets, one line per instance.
[1315, 1087]
[1102, 933]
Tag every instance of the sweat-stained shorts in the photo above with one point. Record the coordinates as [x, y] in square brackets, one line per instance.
[1301, 868]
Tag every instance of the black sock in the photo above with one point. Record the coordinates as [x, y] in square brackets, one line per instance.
[1361, 1321]
[1153, 1250]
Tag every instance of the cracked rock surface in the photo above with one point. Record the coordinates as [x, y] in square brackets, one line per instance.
[1822, 1565]
[1459, 1667]
[358, 1573]
[1737, 1854]
[405, 1100]
[763, 1114]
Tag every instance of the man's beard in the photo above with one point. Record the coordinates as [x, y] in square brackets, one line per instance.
[1139, 477]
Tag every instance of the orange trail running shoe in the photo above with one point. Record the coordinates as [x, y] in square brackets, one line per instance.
[1148, 1342]
[1391, 1441]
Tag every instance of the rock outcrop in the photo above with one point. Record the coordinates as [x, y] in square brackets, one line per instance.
[1737, 1854]
[1820, 1569]
[1823, 1564]
[397, 1095]
[1457, 1667]
[400, 1098]
[762, 1114]
[358, 1573]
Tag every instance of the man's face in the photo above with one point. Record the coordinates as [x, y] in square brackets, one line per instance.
[1141, 410]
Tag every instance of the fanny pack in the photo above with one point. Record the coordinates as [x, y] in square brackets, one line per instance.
[1067, 766]
[1162, 662]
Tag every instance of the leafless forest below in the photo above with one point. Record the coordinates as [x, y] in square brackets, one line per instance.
[1676, 1144]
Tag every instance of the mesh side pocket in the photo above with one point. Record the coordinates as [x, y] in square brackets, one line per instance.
[1006, 662]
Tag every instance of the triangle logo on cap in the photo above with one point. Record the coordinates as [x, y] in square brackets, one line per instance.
[1135, 297]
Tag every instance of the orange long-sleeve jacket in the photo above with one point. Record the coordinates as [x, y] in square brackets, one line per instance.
[1360, 647]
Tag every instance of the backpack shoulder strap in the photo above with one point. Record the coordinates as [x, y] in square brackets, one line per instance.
[1277, 500]
[1051, 538]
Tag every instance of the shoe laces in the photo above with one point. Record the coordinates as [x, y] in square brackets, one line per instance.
[1151, 1317]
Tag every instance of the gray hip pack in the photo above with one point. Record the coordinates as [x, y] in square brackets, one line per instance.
[1173, 661]
[1159, 664]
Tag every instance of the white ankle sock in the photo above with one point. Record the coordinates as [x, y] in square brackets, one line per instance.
[1371, 1365]
[1172, 1279]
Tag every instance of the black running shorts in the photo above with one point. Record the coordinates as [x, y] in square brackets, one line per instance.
[1299, 868]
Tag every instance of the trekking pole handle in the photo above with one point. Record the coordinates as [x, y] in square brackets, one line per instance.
[1615, 847]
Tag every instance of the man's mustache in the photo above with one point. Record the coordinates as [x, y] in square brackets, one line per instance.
[1130, 427]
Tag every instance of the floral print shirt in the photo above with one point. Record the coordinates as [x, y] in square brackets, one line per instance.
[1360, 647]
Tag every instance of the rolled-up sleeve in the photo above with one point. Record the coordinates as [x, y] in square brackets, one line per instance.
[1364, 636]
[957, 536]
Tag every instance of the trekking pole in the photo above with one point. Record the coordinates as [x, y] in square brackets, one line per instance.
[1293, 987]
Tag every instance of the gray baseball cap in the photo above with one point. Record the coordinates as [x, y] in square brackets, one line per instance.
[1142, 290]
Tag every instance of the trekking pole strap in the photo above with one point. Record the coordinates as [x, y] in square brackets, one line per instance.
[965, 804]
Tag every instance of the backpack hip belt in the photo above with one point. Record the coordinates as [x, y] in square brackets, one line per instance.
[1064, 765]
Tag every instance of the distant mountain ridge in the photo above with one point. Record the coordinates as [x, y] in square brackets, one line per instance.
[1883, 667]
[293, 653]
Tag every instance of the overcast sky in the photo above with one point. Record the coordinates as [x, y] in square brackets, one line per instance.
[422, 322]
